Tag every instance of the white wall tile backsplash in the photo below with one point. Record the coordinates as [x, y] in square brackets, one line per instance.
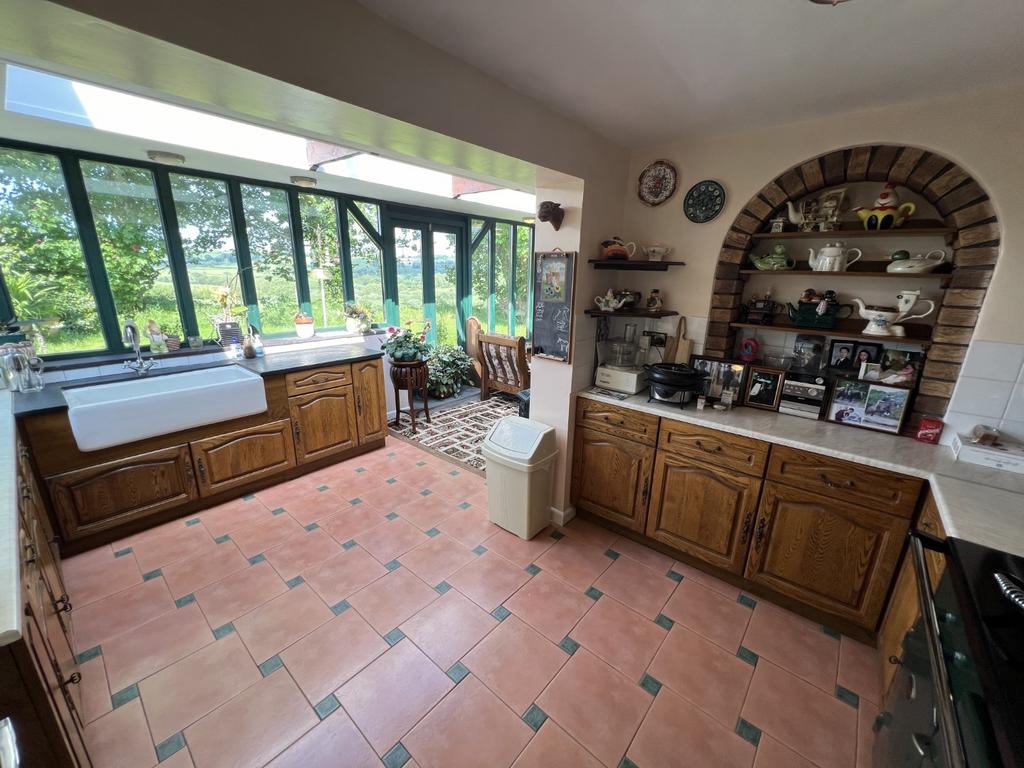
[990, 391]
[994, 360]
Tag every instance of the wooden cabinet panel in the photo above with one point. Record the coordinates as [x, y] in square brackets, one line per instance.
[622, 422]
[930, 523]
[843, 480]
[612, 477]
[371, 405]
[702, 510]
[720, 448]
[323, 423]
[237, 458]
[94, 499]
[301, 382]
[828, 554]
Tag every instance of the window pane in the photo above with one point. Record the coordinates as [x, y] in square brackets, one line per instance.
[367, 279]
[204, 221]
[409, 262]
[502, 275]
[131, 234]
[475, 225]
[41, 256]
[524, 262]
[446, 324]
[480, 264]
[273, 261]
[371, 211]
[323, 259]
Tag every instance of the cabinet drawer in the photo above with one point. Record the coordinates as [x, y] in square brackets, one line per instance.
[843, 480]
[613, 420]
[242, 457]
[743, 454]
[300, 382]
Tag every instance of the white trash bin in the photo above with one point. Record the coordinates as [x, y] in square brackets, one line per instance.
[520, 456]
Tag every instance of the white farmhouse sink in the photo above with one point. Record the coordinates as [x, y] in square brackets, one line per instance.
[103, 415]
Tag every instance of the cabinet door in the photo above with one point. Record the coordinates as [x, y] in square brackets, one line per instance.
[108, 495]
[612, 477]
[831, 555]
[371, 407]
[237, 458]
[323, 423]
[702, 510]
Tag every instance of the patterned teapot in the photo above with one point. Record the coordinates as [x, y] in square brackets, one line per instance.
[833, 257]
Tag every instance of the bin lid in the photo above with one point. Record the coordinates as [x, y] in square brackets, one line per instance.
[521, 438]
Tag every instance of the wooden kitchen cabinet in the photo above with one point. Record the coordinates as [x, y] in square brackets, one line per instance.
[371, 405]
[621, 422]
[108, 495]
[825, 553]
[325, 377]
[323, 423]
[238, 458]
[612, 477]
[703, 510]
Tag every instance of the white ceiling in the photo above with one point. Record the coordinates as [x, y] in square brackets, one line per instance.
[642, 71]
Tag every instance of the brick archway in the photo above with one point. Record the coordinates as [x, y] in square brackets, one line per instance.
[961, 202]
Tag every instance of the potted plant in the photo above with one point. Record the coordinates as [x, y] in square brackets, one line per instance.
[304, 325]
[404, 346]
[449, 370]
[357, 319]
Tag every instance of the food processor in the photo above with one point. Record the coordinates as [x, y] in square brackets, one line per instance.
[617, 367]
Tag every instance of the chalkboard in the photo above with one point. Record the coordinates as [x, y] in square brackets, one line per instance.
[554, 284]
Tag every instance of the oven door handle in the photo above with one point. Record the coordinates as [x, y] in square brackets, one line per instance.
[949, 732]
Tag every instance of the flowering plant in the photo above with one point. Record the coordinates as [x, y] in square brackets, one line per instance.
[404, 345]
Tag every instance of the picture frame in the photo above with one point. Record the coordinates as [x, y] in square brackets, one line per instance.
[900, 367]
[553, 297]
[846, 356]
[868, 405]
[722, 376]
[764, 388]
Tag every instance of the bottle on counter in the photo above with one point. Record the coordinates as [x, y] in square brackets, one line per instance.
[257, 342]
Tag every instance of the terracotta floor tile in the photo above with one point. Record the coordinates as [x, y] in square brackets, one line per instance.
[708, 613]
[860, 669]
[388, 498]
[343, 575]
[437, 558]
[120, 739]
[676, 734]
[321, 747]
[139, 652]
[597, 706]
[278, 496]
[189, 689]
[186, 576]
[180, 759]
[703, 673]
[645, 555]
[107, 618]
[391, 539]
[575, 562]
[94, 689]
[277, 624]
[516, 550]
[171, 547]
[253, 727]
[707, 580]
[795, 644]
[554, 748]
[390, 696]
[448, 628]
[549, 605]
[488, 580]
[641, 588]
[417, 478]
[314, 504]
[174, 526]
[426, 513]
[866, 714]
[516, 662]
[392, 599]
[97, 574]
[239, 593]
[225, 518]
[775, 754]
[455, 489]
[330, 655]
[302, 551]
[469, 526]
[352, 521]
[589, 532]
[256, 539]
[818, 726]
[470, 727]
[620, 637]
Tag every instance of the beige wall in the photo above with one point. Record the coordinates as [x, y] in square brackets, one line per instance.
[981, 132]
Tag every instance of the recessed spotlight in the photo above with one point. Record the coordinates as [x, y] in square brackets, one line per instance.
[304, 181]
[170, 158]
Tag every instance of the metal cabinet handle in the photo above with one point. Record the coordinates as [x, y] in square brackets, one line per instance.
[359, 403]
[647, 489]
[74, 679]
[762, 524]
[619, 423]
[824, 478]
[745, 530]
[297, 432]
[62, 605]
[202, 469]
[716, 449]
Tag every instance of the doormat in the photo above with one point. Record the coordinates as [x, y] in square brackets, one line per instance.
[458, 432]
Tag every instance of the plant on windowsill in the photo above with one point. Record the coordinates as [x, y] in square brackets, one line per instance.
[230, 308]
[404, 346]
[304, 325]
[449, 370]
[357, 319]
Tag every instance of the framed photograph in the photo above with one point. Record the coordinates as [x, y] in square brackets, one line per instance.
[870, 371]
[848, 356]
[721, 376]
[868, 405]
[900, 368]
[764, 388]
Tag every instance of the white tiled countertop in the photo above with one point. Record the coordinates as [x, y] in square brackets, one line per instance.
[10, 586]
[977, 504]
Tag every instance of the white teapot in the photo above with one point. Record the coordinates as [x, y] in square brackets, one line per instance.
[833, 258]
[884, 321]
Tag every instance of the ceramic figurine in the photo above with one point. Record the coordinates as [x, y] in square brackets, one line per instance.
[609, 302]
[888, 212]
[551, 212]
[778, 260]
[883, 321]
[654, 302]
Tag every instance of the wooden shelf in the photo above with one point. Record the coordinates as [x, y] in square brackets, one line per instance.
[626, 265]
[867, 269]
[630, 313]
[917, 333]
[922, 229]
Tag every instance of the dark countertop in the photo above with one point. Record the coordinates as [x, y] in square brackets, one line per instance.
[51, 398]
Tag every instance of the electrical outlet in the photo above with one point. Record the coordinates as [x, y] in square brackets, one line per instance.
[658, 339]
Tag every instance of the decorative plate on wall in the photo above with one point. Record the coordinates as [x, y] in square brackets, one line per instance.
[657, 183]
[704, 201]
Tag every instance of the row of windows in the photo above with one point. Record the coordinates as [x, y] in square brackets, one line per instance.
[86, 244]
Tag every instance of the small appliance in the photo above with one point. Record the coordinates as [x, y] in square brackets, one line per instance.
[617, 367]
[673, 382]
[803, 394]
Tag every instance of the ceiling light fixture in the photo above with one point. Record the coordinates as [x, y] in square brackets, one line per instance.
[828, 2]
[309, 182]
[529, 220]
[160, 156]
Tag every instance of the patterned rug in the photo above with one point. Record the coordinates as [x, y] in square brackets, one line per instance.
[458, 432]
